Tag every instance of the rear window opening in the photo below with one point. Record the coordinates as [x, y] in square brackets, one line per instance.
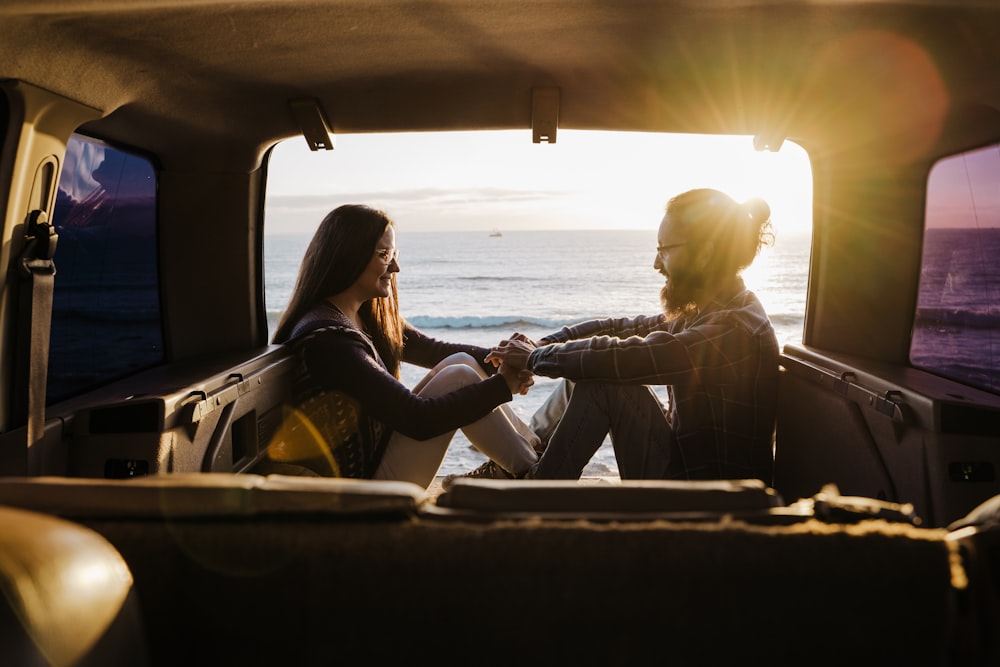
[497, 234]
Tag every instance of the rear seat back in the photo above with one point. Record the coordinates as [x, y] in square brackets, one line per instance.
[599, 498]
[250, 570]
[210, 496]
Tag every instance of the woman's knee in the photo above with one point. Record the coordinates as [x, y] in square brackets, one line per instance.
[459, 359]
[451, 378]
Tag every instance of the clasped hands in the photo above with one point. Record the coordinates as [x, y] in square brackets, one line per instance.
[510, 357]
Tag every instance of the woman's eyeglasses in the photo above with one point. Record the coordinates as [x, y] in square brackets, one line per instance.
[387, 255]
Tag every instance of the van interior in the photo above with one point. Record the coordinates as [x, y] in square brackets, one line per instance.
[142, 170]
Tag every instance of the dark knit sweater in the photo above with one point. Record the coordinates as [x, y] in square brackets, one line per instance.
[350, 403]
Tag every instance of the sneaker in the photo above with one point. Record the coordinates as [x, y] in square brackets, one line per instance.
[488, 470]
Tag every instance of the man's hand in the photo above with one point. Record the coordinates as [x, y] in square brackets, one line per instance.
[521, 337]
[513, 352]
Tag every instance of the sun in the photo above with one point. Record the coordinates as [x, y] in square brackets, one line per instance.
[783, 179]
[641, 171]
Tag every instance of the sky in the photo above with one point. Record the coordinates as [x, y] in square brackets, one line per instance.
[962, 191]
[501, 180]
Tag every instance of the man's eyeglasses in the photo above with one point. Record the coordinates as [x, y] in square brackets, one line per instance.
[387, 255]
[664, 249]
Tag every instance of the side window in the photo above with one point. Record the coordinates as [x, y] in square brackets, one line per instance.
[106, 320]
[956, 332]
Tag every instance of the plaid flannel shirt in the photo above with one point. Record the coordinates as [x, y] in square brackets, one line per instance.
[720, 367]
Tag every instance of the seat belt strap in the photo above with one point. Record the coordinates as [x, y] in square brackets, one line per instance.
[37, 270]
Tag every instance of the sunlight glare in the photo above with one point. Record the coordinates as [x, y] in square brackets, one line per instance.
[501, 180]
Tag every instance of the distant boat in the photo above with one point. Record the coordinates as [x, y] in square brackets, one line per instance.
[496, 232]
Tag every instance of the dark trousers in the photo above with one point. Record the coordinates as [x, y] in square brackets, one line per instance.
[632, 414]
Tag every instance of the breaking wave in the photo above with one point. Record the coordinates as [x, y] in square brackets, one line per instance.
[490, 322]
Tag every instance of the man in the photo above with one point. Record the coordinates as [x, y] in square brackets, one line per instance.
[713, 347]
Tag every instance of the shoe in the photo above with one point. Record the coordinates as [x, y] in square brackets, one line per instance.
[488, 470]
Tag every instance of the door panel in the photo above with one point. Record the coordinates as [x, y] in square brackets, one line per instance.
[884, 431]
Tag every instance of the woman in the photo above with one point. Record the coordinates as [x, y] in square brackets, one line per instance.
[352, 417]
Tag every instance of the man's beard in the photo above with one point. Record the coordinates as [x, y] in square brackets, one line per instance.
[679, 296]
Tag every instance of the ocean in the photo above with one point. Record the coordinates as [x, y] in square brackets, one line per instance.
[957, 332]
[474, 287]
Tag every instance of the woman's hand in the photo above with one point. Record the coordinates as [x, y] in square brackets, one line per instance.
[511, 357]
[518, 380]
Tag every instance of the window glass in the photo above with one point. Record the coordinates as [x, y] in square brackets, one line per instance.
[106, 304]
[955, 331]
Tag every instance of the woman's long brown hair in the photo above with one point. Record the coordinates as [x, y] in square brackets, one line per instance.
[338, 254]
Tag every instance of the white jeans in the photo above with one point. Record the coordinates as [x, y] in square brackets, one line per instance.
[501, 435]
